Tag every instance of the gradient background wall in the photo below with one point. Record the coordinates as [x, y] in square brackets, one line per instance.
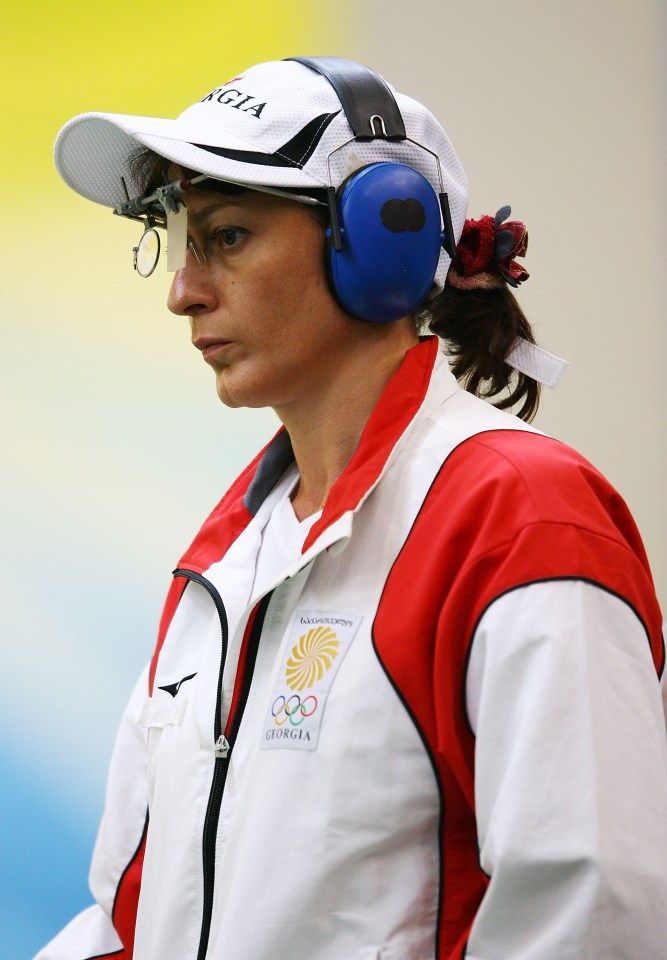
[114, 444]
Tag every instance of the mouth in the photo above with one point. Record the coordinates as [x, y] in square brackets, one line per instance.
[211, 347]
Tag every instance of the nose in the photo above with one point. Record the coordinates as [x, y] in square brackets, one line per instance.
[192, 291]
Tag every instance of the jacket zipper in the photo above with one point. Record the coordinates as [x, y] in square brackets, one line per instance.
[223, 741]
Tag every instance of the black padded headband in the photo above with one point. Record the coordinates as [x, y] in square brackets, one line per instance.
[369, 104]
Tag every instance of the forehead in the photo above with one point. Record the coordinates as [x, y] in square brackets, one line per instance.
[198, 197]
[202, 204]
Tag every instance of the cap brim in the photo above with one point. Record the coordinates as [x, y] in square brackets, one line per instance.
[93, 155]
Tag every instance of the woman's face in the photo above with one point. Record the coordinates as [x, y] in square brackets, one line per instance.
[261, 312]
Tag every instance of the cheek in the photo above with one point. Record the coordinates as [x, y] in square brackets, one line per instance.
[298, 286]
[307, 275]
[282, 283]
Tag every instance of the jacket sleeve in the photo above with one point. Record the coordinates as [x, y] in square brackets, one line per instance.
[107, 928]
[90, 934]
[570, 778]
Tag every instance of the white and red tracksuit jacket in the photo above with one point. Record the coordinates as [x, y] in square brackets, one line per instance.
[438, 735]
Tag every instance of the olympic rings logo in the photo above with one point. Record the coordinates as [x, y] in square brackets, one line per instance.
[293, 709]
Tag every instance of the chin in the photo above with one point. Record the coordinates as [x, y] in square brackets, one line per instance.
[239, 396]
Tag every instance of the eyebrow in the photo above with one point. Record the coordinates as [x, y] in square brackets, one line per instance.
[200, 216]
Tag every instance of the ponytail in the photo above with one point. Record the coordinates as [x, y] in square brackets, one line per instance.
[479, 318]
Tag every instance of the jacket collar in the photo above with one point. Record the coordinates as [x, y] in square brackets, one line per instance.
[406, 392]
[397, 407]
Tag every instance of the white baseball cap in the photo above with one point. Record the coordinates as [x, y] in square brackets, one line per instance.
[277, 124]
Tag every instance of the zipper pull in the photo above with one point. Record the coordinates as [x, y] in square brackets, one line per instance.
[222, 746]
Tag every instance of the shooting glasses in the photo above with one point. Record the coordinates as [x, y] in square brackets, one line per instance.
[165, 210]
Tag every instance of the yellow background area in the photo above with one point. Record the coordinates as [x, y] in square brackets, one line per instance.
[126, 57]
[96, 373]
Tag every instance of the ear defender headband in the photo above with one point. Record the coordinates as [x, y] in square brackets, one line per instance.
[387, 223]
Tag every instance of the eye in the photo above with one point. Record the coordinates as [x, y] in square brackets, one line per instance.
[223, 241]
[228, 236]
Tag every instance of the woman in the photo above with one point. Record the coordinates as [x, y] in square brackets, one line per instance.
[404, 701]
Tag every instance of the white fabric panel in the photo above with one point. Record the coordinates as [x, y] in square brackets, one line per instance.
[125, 802]
[571, 769]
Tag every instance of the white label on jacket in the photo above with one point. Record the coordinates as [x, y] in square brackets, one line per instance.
[316, 648]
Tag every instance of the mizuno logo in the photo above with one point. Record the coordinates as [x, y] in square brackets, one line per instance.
[173, 688]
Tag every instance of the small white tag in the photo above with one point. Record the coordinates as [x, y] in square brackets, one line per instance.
[316, 648]
[177, 238]
[535, 362]
[353, 163]
[159, 712]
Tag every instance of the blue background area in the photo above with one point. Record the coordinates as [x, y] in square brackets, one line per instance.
[41, 838]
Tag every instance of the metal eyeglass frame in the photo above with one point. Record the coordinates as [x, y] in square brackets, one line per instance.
[146, 209]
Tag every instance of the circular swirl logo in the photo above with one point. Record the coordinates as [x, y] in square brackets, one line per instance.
[311, 657]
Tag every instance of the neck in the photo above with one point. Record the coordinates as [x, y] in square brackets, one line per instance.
[325, 428]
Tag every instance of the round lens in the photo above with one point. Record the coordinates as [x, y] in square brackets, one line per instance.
[147, 253]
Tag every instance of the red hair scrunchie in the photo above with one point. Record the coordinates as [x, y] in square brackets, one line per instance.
[485, 252]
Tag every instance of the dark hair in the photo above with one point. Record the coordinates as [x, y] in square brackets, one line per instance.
[150, 171]
[479, 328]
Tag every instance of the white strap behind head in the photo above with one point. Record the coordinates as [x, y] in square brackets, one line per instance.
[535, 362]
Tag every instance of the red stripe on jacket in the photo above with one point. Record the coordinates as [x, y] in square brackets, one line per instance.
[508, 508]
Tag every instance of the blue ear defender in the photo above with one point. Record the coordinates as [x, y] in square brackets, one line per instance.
[385, 234]
[384, 241]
